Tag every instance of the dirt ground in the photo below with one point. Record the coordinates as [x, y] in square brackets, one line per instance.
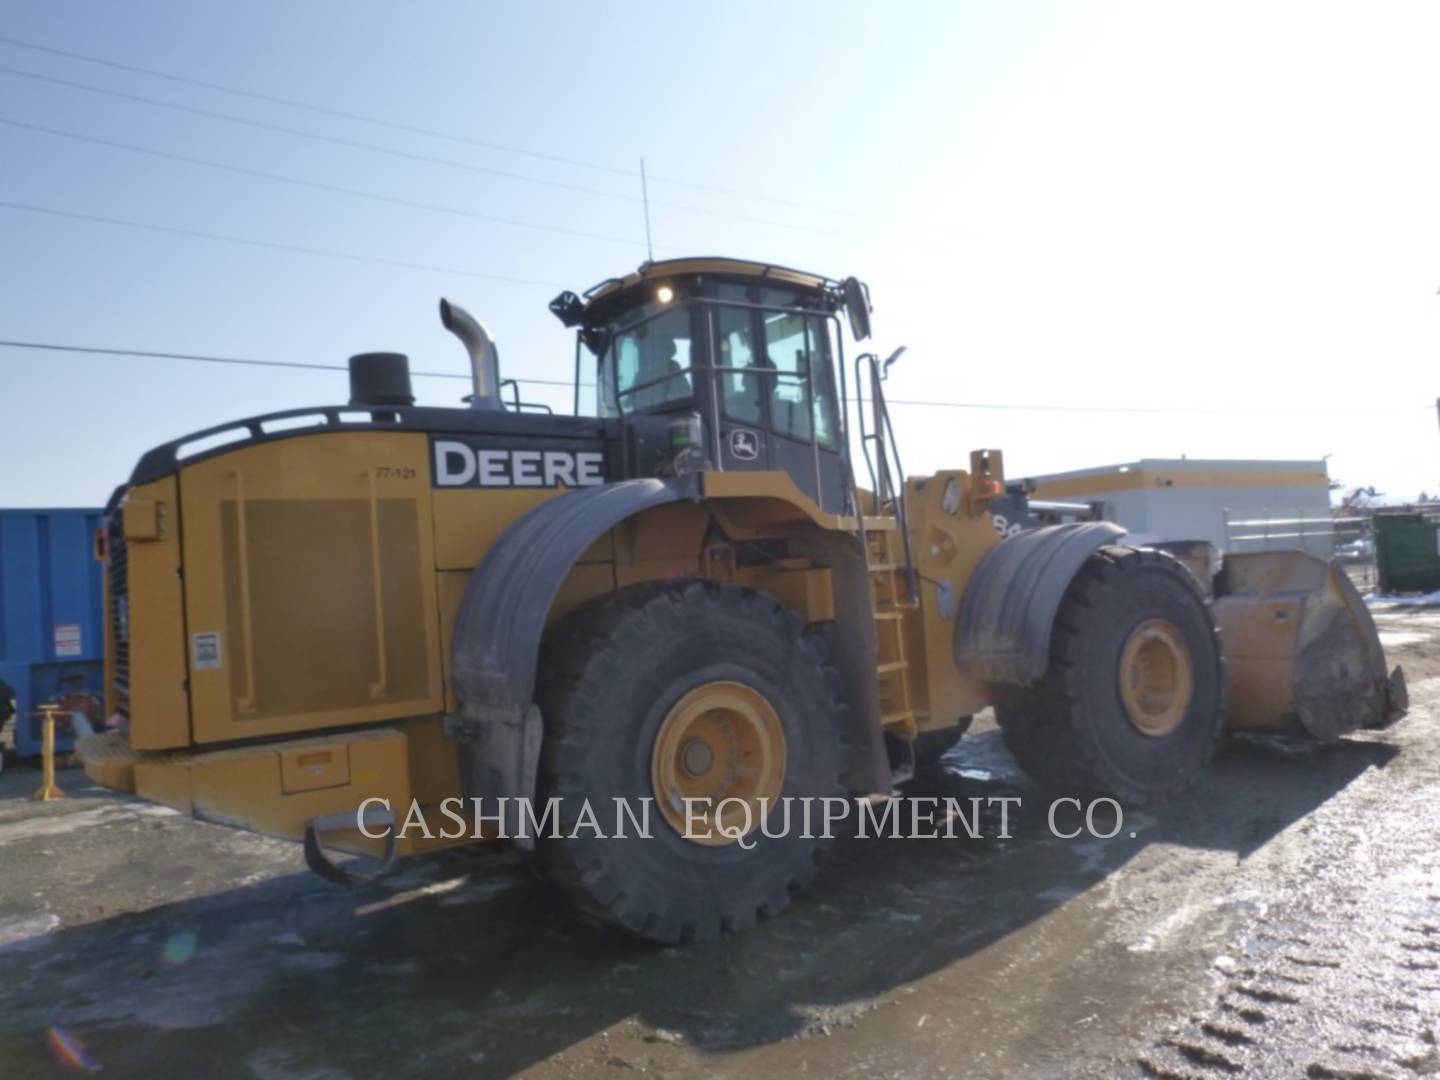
[1281, 920]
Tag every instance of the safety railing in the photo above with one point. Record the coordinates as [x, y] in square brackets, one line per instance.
[879, 435]
[516, 404]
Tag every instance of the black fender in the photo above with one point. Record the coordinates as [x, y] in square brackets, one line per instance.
[496, 646]
[1010, 603]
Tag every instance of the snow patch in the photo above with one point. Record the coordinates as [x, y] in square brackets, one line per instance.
[1393, 639]
[27, 931]
[65, 822]
[1390, 600]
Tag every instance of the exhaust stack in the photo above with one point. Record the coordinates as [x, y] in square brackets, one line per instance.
[484, 357]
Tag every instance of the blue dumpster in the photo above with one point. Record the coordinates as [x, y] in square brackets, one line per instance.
[52, 637]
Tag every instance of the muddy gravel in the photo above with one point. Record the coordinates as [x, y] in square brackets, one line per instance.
[1283, 919]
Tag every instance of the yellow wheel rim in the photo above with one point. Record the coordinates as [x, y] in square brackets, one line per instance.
[721, 741]
[1156, 677]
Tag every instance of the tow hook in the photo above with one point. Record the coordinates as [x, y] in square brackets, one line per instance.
[318, 859]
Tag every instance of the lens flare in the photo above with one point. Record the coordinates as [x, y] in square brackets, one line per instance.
[70, 1051]
[178, 948]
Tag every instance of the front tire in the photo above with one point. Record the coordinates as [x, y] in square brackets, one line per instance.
[1130, 706]
[693, 690]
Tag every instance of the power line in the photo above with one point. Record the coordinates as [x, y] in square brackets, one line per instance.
[505, 174]
[301, 133]
[974, 405]
[322, 110]
[318, 185]
[274, 246]
[433, 133]
[246, 361]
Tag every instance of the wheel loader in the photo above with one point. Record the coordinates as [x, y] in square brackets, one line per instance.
[714, 591]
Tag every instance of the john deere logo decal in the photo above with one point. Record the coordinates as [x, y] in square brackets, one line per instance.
[744, 444]
[484, 462]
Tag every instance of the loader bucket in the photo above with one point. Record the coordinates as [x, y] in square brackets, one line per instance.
[1302, 655]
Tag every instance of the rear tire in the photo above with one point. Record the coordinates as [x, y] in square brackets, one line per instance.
[1131, 704]
[621, 673]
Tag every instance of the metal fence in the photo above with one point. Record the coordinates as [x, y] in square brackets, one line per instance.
[1314, 534]
[1350, 539]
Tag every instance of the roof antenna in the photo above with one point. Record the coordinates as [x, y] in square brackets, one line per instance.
[645, 198]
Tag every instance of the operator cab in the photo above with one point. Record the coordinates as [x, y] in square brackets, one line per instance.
[746, 351]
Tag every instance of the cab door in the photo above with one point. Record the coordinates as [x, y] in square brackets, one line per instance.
[778, 407]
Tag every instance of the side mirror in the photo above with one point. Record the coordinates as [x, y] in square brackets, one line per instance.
[856, 296]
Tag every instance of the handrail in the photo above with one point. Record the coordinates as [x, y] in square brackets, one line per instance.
[380, 687]
[808, 380]
[900, 504]
[716, 370]
[880, 478]
[864, 435]
[521, 406]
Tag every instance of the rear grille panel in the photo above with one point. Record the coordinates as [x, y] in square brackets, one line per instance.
[118, 569]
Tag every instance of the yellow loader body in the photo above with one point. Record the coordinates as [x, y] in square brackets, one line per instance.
[316, 611]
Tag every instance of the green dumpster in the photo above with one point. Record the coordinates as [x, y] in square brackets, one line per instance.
[1407, 552]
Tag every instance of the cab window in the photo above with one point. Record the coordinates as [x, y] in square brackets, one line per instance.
[802, 397]
[735, 337]
[647, 365]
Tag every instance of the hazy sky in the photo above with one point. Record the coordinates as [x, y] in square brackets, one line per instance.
[1227, 211]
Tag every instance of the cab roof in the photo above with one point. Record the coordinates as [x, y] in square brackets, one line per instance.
[612, 293]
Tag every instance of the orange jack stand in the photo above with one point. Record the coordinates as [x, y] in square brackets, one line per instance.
[48, 790]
